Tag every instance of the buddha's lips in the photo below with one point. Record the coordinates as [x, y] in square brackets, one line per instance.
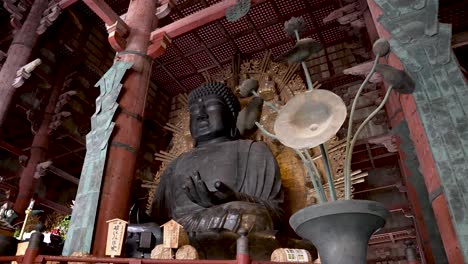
[203, 123]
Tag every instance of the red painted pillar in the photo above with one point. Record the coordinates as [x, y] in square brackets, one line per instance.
[125, 143]
[424, 154]
[39, 149]
[18, 55]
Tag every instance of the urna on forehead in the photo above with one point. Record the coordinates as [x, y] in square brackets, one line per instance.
[215, 89]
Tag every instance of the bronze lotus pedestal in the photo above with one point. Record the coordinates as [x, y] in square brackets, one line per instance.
[340, 230]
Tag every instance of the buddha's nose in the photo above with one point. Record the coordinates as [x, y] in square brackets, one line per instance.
[202, 115]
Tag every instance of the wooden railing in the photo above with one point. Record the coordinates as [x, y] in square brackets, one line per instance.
[32, 256]
[41, 259]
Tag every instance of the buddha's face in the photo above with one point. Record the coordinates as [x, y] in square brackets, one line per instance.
[210, 118]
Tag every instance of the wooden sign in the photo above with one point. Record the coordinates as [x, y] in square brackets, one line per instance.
[291, 255]
[174, 235]
[115, 234]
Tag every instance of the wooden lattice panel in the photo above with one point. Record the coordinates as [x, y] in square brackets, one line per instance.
[197, 6]
[234, 28]
[186, 43]
[272, 34]
[332, 35]
[195, 80]
[160, 75]
[287, 6]
[263, 14]
[224, 52]
[170, 54]
[181, 68]
[201, 60]
[248, 43]
[174, 88]
[211, 33]
[322, 13]
[278, 50]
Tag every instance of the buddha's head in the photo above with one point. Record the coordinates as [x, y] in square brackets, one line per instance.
[213, 111]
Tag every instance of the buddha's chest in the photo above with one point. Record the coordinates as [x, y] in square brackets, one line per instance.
[213, 164]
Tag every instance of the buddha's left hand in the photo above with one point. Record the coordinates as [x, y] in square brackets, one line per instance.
[196, 190]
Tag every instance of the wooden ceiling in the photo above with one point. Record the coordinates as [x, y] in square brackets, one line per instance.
[211, 47]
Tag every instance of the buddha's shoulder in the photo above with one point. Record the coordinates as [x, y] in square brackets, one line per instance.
[255, 146]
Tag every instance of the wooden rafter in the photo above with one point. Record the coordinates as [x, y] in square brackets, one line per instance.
[116, 27]
[104, 12]
[198, 19]
[66, 3]
[460, 40]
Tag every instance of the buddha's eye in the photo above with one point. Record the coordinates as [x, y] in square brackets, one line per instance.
[194, 110]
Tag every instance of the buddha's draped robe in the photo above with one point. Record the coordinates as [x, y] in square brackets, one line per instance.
[246, 166]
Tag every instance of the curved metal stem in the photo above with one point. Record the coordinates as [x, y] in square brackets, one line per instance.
[310, 85]
[317, 173]
[326, 161]
[347, 178]
[381, 105]
[264, 131]
[320, 194]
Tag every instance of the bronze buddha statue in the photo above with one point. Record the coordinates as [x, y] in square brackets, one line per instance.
[224, 184]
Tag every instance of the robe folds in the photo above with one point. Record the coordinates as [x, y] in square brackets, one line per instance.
[246, 166]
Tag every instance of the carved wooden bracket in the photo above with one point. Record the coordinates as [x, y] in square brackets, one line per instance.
[348, 15]
[116, 27]
[23, 160]
[50, 15]
[389, 141]
[25, 72]
[57, 121]
[159, 45]
[41, 169]
[163, 10]
[364, 69]
[338, 13]
[63, 100]
[16, 9]
[117, 33]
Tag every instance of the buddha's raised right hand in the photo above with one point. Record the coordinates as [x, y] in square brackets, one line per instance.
[196, 190]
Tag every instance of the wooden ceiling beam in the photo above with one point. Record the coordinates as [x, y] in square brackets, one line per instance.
[104, 12]
[64, 175]
[66, 3]
[460, 40]
[54, 206]
[196, 20]
[18, 152]
[12, 149]
[116, 27]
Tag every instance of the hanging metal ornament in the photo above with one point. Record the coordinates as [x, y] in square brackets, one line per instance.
[295, 24]
[238, 11]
